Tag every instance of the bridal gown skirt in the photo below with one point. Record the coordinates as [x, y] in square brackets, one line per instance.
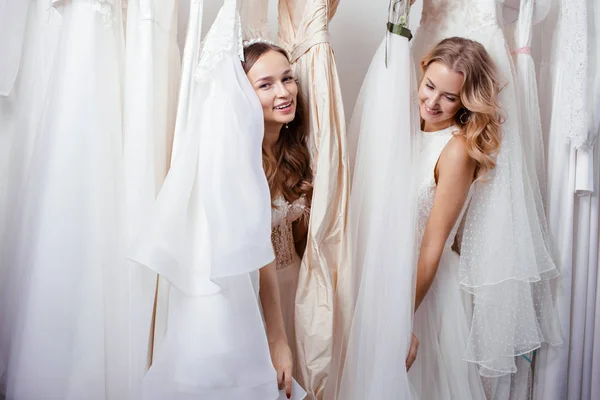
[442, 326]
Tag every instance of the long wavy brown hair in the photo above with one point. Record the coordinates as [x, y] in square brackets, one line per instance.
[479, 120]
[290, 174]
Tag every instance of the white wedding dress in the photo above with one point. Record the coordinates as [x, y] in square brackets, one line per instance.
[569, 88]
[64, 283]
[505, 263]
[209, 233]
[375, 292]
[152, 73]
[442, 319]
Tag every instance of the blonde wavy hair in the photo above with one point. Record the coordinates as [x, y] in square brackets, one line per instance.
[479, 120]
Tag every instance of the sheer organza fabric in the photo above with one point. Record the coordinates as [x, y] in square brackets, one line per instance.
[376, 290]
[209, 234]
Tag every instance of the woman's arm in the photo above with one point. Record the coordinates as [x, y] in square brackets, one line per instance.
[455, 174]
[281, 354]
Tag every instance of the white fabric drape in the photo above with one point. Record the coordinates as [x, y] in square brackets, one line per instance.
[20, 110]
[152, 71]
[375, 292]
[64, 286]
[13, 21]
[519, 41]
[208, 234]
[569, 86]
[187, 87]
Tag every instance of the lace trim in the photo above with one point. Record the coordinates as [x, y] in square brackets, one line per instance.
[106, 9]
[441, 15]
[282, 236]
[224, 36]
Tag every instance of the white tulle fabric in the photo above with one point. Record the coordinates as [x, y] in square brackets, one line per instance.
[64, 290]
[505, 261]
[371, 349]
[21, 108]
[209, 233]
[206, 234]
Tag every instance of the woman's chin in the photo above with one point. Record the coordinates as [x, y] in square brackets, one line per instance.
[286, 120]
[429, 119]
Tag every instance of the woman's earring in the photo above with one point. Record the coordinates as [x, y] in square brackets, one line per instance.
[286, 126]
[464, 117]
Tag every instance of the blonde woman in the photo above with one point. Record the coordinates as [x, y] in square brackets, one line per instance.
[460, 138]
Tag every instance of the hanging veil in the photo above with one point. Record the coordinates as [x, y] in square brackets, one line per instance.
[210, 233]
[376, 294]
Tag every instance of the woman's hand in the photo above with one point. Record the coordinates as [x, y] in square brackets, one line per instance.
[412, 352]
[281, 356]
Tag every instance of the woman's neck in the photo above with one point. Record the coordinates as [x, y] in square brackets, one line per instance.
[270, 139]
[425, 127]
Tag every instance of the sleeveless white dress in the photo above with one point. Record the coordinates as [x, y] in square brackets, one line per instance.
[442, 321]
[513, 310]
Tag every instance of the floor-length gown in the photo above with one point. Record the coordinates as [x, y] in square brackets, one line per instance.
[65, 289]
[152, 72]
[303, 33]
[210, 244]
[370, 348]
[20, 109]
[521, 42]
[513, 309]
[442, 320]
[566, 85]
